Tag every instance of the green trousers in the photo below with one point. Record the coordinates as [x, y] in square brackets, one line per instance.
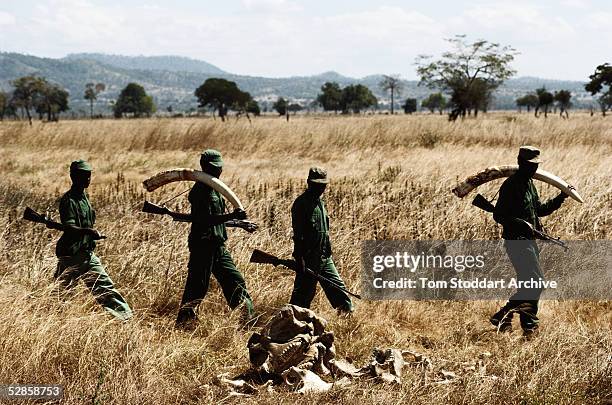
[305, 286]
[204, 260]
[525, 257]
[86, 266]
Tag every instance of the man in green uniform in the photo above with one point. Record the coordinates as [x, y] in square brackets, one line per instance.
[519, 200]
[74, 249]
[312, 247]
[207, 252]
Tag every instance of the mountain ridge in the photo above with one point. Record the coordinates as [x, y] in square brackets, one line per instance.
[169, 79]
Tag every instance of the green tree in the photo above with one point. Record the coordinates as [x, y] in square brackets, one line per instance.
[280, 106]
[601, 82]
[356, 98]
[605, 102]
[545, 100]
[91, 94]
[330, 97]
[469, 72]
[563, 97]
[253, 108]
[528, 100]
[222, 94]
[392, 84]
[51, 100]
[4, 104]
[433, 102]
[410, 105]
[27, 89]
[133, 99]
[294, 108]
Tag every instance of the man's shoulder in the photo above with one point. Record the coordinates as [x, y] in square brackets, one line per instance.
[66, 198]
[201, 190]
[513, 180]
[302, 200]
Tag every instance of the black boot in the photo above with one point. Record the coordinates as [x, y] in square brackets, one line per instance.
[502, 320]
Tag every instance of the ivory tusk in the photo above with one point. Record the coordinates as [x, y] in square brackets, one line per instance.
[171, 176]
[498, 172]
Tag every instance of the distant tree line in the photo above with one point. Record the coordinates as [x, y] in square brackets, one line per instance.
[465, 77]
[542, 100]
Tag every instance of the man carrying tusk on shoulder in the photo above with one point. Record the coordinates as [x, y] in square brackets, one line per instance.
[207, 252]
[519, 210]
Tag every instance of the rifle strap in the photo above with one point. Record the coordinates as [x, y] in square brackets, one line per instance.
[175, 197]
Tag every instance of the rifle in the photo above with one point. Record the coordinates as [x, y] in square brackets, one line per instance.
[485, 205]
[151, 208]
[259, 256]
[30, 215]
[480, 202]
[545, 237]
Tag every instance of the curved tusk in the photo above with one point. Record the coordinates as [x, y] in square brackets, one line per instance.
[498, 172]
[171, 176]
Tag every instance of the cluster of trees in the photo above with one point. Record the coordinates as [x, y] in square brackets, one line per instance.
[434, 102]
[222, 95]
[542, 100]
[284, 107]
[34, 94]
[352, 98]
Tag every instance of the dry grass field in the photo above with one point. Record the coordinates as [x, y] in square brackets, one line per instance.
[391, 179]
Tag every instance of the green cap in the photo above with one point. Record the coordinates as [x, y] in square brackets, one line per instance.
[317, 175]
[80, 165]
[530, 154]
[213, 157]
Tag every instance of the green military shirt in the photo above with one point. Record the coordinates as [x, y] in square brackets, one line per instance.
[310, 226]
[75, 209]
[518, 198]
[206, 201]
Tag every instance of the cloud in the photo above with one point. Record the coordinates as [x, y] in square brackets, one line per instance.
[578, 4]
[382, 23]
[7, 18]
[516, 21]
[600, 20]
[384, 39]
[281, 6]
[76, 22]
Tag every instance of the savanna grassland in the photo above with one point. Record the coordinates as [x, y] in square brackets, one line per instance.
[391, 179]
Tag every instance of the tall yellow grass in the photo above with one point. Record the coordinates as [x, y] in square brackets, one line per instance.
[391, 178]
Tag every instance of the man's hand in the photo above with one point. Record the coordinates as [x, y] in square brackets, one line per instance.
[563, 196]
[239, 214]
[249, 226]
[524, 227]
[95, 235]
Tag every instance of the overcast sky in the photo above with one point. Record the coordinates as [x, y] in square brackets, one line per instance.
[563, 39]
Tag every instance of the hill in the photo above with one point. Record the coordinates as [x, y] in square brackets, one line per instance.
[169, 63]
[171, 80]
